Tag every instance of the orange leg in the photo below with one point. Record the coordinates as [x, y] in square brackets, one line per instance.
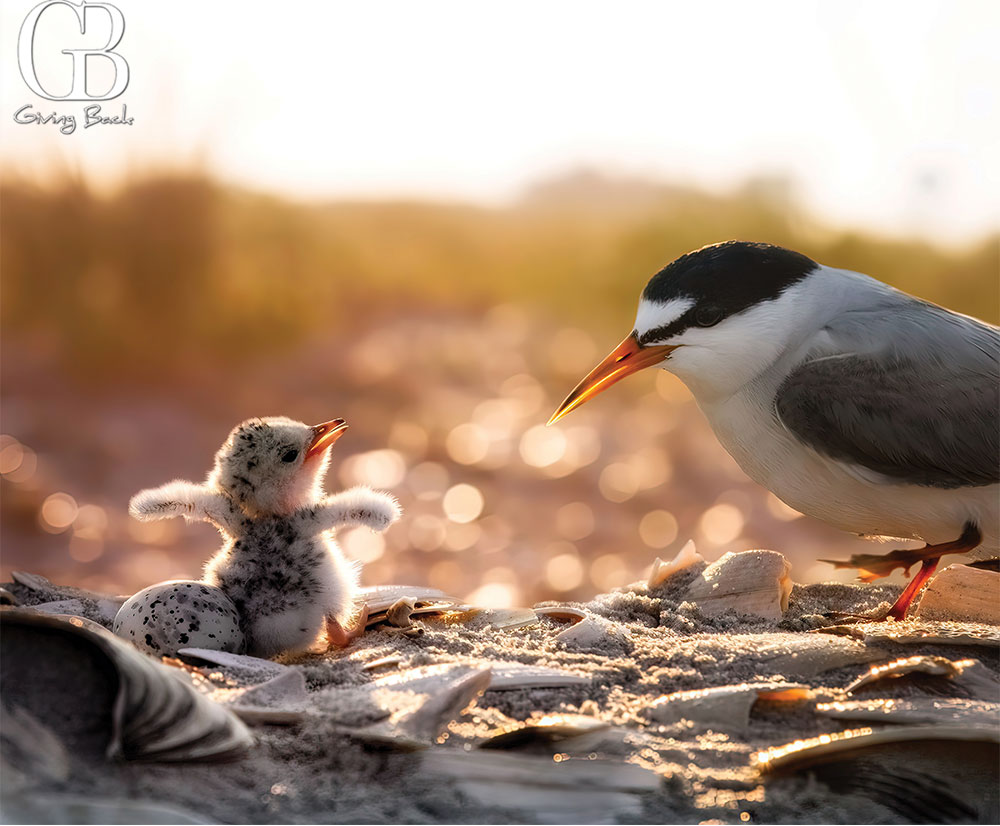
[872, 566]
[341, 637]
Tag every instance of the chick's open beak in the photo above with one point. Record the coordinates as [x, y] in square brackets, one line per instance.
[628, 357]
[325, 435]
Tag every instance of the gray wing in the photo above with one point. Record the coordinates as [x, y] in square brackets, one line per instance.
[914, 395]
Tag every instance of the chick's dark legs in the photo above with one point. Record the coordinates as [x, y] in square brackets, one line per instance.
[874, 566]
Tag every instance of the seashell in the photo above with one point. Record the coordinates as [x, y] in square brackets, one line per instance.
[509, 676]
[7, 598]
[962, 594]
[547, 731]
[380, 597]
[166, 617]
[117, 702]
[910, 770]
[399, 612]
[919, 631]
[497, 618]
[662, 571]
[802, 656]
[970, 675]
[727, 707]
[46, 807]
[546, 789]
[916, 710]
[73, 607]
[561, 612]
[287, 690]
[590, 632]
[750, 582]
[407, 710]
[254, 669]
[33, 582]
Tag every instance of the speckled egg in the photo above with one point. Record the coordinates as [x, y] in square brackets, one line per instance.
[168, 616]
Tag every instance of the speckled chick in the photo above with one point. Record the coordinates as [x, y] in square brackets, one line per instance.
[279, 563]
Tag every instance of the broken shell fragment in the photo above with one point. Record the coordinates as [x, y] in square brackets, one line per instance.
[119, 703]
[908, 769]
[916, 711]
[33, 582]
[962, 594]
[755, 583]
[546, 731]
[590, 632]
[406, 710]
[380, 597]
[919, 631]
[399, 612]
[512, 676]
[971, 676]
[727, 707]
[73, 607]
[563, 613]
[543, 790]
[7, 598]
[253, 669]
[662, 571]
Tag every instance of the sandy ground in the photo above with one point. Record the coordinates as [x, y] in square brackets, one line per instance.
[355, 755]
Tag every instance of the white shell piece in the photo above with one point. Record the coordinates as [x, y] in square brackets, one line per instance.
[749, 582]
[168, 616]
[590, 632]
[916, 710]
[662, 571]
[726, 707]
[919, 631]
[550, 728]
[286, 691]
[971, 675]
[962, 594]
[410, 708]
[509, 676]
[800, 656]
[813, 749]
[380, 597]
[60, 606]
[34, 582]
[262, 669]
[561, 612]
[541, 790]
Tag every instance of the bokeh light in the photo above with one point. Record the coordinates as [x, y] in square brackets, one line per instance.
[463, 503]
[658, 528]
[58, 512]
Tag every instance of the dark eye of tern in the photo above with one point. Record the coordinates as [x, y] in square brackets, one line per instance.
[290, 456]
[707, 316]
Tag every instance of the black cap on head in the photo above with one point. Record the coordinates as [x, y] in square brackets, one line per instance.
[724, 279]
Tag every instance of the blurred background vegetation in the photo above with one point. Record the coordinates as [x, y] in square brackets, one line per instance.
[140, 325]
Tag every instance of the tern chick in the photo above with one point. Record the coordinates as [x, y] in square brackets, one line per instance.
[851, 401]
[279, 563]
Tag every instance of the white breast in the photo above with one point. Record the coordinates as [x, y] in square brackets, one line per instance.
[851, 498]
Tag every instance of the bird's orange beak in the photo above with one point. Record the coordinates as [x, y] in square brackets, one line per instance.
[325, 435]
[628, 357]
